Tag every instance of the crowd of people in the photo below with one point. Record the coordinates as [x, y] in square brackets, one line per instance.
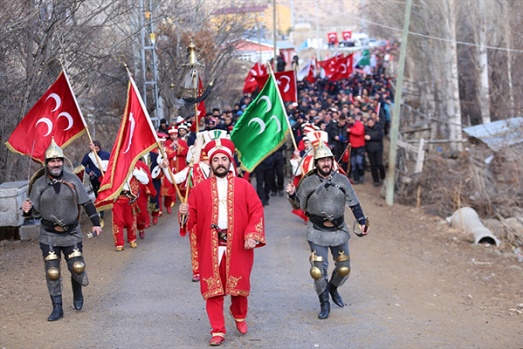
[355, 112]
[337, 126]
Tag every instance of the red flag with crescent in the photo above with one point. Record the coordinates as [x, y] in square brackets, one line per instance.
[200, 109]
[346, 35]
[286, 81]
[332, 37]
[136, 137]
[344, 69]
[330, 65]
[55, 115]
[250, 81]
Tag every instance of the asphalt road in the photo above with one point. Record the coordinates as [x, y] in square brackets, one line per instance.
[156, 305]
[413, 284]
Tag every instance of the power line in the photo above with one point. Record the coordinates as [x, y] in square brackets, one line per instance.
[497, 48]
[438, 38]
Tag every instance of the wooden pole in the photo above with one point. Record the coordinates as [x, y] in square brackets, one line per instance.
[394, 129]
[274, 29]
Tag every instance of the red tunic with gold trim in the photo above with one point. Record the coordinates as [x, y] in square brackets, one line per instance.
[124, 214]
[192, 177]
[306, 165]
[245, 220]
[168, 188]
[198, 176]
[178, 162]
[143, 220]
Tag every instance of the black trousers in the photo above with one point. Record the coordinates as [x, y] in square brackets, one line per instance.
[277, 182]
[376, 165]
[263, 183]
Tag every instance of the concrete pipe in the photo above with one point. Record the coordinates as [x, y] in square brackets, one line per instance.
[468, 220]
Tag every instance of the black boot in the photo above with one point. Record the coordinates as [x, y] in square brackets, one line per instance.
[58, 311]
[336, 298]
[78, 297]
[325, 306]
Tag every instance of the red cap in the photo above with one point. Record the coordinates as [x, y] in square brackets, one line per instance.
[220, 146]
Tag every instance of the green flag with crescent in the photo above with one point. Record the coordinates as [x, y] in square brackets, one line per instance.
[262, 128]
[364, 59]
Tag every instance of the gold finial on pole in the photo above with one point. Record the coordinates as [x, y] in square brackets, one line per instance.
[192, 54]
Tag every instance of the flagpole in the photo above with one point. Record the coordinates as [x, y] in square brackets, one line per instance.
[193, 62]
[296, 82]
[98, 160]
[162, 151]
[188, 180]
[284, 109]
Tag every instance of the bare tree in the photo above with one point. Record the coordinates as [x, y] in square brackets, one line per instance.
[92, 39]
[47, 36]
[216, 39]
[482, 58]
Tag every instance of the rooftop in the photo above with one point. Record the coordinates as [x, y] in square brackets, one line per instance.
[498, 134]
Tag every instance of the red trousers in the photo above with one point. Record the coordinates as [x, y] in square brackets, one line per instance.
[214, 307]
[169, 201]
[143, 219]
[123, 218]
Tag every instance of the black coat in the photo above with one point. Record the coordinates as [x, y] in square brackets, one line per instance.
[375, 142]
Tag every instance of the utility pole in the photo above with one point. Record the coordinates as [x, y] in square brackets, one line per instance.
[259, 39]
[395, 122]
[149, 64]
[274, 29]
[317, 34]
[292, 14]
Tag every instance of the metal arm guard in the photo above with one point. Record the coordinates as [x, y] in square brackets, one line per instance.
[341, 270]
[90, 209]
[76, 265]
[294, 203]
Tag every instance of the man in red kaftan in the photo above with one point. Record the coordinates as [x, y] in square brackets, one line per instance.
[177, 148]
[229, 224]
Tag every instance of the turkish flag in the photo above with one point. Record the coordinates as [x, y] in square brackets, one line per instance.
[200, 109]
[330, 66]
[344, 69]
[332, 37]
[136, 137]
[55, 115]
[250, 82]
[308, 72]
[286, 81]
[346, 35]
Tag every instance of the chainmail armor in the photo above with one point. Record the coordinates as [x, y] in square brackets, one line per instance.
[62, 205]
[321, 197]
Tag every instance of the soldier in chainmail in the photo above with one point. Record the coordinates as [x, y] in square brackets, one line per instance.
[322, 195]
[56, 195]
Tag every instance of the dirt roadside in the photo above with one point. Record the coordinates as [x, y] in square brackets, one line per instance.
[415, 283]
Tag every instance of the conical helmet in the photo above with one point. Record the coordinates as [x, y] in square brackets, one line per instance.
[53, 151]
[322, 151]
